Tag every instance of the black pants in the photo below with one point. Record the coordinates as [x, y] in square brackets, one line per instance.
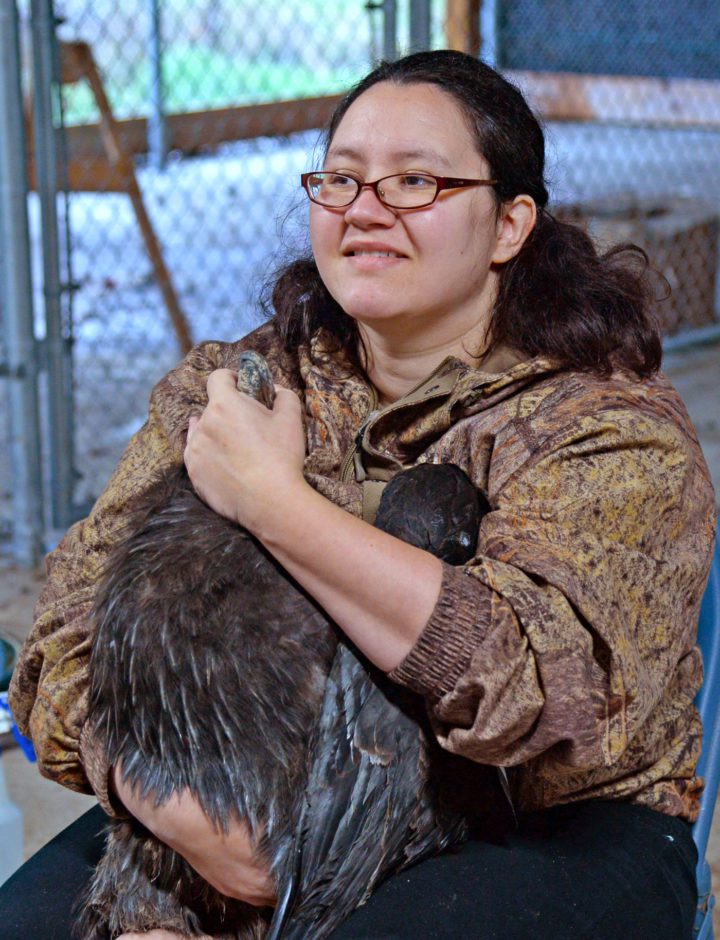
[589, 871]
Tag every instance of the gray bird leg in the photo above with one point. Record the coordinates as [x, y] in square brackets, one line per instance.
[255, 379]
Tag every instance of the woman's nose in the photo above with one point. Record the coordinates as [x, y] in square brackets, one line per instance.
[369, 210]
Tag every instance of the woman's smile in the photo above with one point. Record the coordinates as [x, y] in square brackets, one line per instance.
[374, 261]
[372, 256]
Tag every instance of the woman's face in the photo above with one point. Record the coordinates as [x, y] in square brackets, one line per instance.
[438, 276]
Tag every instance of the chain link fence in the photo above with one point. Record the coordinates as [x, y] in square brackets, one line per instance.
[183, 258]
[631, 95]
[186, 124]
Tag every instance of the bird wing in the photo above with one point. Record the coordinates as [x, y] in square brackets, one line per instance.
[370, 807]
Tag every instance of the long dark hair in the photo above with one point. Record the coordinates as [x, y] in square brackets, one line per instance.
[558, 296]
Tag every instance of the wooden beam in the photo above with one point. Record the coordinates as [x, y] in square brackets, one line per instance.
[462, 25]
[113, 169]
[196, 131]
[90, 174]
[673, 102]
[73, 60]
[556, 96]
[190, 132]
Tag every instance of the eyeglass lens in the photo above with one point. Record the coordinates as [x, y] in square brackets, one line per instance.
[402, 191]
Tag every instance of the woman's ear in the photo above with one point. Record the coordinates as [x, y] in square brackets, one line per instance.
[515, 222]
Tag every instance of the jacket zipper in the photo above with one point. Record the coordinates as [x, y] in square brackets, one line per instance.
[356, 446]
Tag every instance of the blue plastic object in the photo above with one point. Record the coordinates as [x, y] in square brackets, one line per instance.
[25, 744]
[708, 703]
[7, 661]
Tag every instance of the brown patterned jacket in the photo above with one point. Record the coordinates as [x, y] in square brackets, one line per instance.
[564, 651]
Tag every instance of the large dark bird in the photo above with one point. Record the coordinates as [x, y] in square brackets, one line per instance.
[212, 670]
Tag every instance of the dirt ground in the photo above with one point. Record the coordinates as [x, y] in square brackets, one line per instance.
[48, 808]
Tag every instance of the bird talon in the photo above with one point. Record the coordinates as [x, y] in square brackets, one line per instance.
[255, 379]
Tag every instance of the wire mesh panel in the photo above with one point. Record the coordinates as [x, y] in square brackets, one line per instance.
[631, 94]
[186, 124]
[6, 530]
[170, 244]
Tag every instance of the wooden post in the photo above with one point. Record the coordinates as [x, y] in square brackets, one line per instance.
[462, 25]
[119, 158]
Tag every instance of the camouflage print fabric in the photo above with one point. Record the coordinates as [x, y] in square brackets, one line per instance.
[564, 651]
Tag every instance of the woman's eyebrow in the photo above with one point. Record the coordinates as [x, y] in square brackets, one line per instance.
[423, 155]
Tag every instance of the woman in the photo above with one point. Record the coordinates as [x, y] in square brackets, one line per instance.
[446, 317]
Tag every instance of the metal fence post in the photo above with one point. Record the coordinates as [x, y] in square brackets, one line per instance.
[157, 126]
[389, 8]
[489, 12]
[57, 334]
[419, 25]
[17, 306]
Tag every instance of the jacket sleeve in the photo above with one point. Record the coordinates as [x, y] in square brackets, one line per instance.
[49, 690]
[577, 617]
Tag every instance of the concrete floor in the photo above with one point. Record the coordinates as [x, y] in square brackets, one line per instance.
[48, 808]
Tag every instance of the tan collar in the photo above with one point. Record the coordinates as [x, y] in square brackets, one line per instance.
[324, 352]
[500, 360]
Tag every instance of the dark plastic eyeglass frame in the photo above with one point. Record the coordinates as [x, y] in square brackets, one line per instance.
[441, 182]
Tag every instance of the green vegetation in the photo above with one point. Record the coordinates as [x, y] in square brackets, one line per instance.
[198, 78]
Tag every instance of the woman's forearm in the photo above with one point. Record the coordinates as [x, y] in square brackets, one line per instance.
[379, 590]
[247, 463]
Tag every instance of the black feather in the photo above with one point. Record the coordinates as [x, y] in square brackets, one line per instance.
[213, 671]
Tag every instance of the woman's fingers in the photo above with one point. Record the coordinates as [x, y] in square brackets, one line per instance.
[241, 457]
[192, 424]
[222, 380]
[287, 400]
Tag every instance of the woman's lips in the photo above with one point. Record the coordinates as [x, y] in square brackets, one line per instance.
[373, 258]
[374, 254]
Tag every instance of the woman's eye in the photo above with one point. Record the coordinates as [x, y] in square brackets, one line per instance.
[416, 181]
[337, 180]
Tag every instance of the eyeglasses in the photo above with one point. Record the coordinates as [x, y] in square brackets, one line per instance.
[399, 191]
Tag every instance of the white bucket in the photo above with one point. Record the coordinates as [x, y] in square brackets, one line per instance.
[11, 832]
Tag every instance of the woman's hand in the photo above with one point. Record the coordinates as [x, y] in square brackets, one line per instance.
[241, 457]
[228, 861]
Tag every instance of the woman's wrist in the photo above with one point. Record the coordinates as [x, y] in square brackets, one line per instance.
[275, 517]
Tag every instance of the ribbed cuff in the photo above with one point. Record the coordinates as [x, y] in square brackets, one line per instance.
[458, 624]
